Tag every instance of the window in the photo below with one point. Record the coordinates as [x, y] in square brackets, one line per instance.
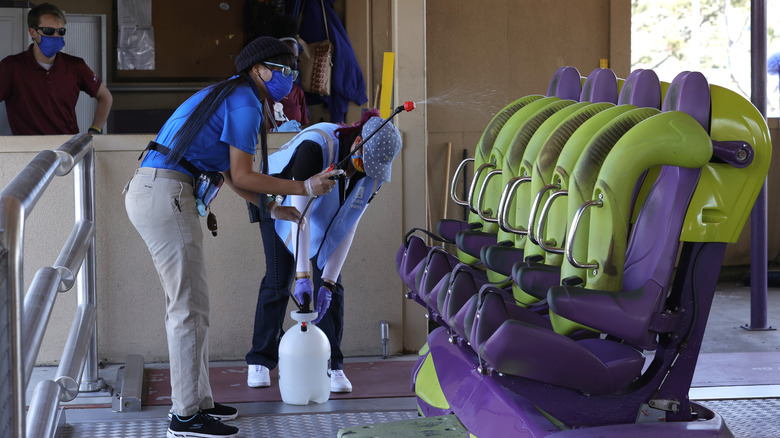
[710, 36]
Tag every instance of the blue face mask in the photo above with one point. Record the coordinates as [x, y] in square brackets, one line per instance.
[50, 45]
[279, 86]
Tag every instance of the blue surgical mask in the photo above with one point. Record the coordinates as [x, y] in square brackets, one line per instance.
[279, 86]
[50, 45]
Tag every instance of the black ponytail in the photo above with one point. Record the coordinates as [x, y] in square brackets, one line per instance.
[198, 118]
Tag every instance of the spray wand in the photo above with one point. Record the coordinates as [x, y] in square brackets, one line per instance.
[407, 106]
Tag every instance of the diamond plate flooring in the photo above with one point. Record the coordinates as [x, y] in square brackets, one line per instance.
[289, 425]
[756, 418]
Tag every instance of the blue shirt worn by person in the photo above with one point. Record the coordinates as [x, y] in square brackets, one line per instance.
[236, 122]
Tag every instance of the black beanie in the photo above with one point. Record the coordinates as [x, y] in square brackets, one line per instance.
[261, 49]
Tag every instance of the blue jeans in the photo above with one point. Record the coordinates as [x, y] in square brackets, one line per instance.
[274, 295]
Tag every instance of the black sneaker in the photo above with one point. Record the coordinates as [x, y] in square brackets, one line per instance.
[220, 412]
[199, 425]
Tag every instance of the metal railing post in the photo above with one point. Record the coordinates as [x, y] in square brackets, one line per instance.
[84, 198]
[759, 268]
[12, 217]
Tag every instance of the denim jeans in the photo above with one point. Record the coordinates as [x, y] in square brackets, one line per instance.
[274, 296]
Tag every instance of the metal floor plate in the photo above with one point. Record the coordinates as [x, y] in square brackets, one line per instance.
[754, 418]
[746, 418]
[289, 425]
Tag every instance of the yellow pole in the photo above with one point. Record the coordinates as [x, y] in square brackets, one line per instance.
[386, 101]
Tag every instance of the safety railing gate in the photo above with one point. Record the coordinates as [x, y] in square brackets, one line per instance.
[23, 318]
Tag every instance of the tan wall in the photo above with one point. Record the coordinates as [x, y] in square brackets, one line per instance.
[484, 55]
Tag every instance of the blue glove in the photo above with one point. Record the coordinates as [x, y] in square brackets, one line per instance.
[323, 302]
[303, 286]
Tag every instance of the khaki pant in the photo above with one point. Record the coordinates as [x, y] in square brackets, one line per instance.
[161, 206]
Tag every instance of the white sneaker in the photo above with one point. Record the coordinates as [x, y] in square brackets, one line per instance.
[258, 376]
[339, 382]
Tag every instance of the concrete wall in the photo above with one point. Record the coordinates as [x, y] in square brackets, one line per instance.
[484, 55]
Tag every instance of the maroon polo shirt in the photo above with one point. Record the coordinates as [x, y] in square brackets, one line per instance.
[41, 102]
[294, 107]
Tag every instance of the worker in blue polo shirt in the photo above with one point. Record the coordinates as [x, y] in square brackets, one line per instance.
[211, 136]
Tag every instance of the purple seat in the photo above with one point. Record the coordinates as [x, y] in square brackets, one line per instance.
[636, 314]
[408, 260]
[472, 241]
[501, 257]
[641, 89]
[463, 285]
[462, 322]
[593, 366]
[536, 278]
[448, 228]
[494, 307]
[600, 86]
[566, 83]
[436, 264]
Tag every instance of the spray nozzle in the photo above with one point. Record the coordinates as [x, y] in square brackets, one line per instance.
[409, 105]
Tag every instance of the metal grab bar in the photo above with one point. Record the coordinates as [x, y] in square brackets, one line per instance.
[532, 233]
[38, 304]
[453, 185]
[473, 187]
[49, 392]
[480, 198]
[29, 315]
[504, 204]
[543, 220]
[75, 351]
[573, 233]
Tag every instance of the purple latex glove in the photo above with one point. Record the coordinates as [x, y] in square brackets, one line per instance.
[303, 286]
[323, 302]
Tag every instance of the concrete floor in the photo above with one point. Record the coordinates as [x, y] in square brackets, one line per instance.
[730, 311]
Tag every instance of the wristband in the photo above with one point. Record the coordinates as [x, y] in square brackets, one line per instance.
[94, 130]
[269, 200]
[299, 275]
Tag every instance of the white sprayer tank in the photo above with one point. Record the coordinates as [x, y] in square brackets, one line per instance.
[304, 362]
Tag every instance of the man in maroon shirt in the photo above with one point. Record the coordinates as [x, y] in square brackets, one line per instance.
[41, 86]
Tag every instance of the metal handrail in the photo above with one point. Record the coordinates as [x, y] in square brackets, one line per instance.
[484, 214]
[504, 205]
[453, 185]
[29, 316]
[532, 232]
[575, 223]
[473, 188]
[543, 219]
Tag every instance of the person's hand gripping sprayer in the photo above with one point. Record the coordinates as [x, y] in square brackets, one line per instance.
[304, 294]
[316, 185]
